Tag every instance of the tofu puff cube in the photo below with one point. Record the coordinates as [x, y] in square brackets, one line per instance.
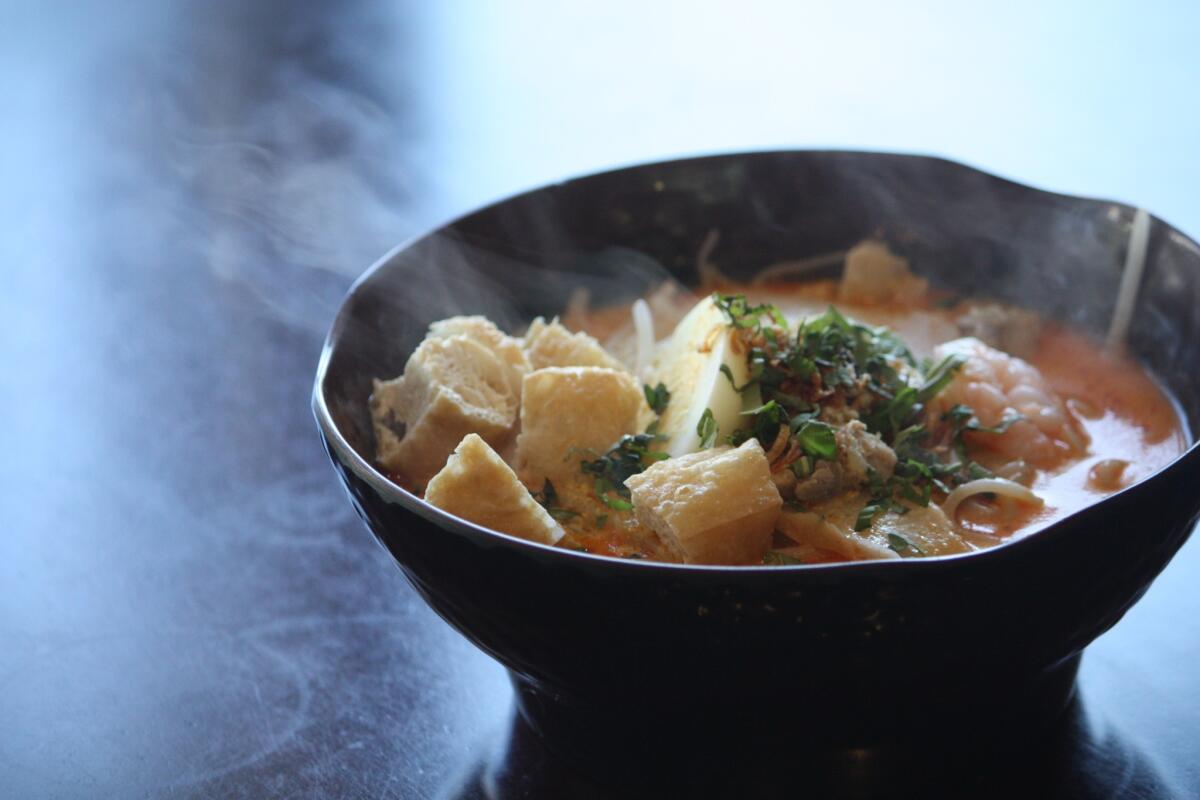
[549, 344]
[874, 275]
[484, 331]
[478, 486]
[452, 385]
[573, 414]
[716, 506]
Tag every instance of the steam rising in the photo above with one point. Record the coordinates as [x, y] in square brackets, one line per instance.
[296, 205]
[271, 150]
[309, 173]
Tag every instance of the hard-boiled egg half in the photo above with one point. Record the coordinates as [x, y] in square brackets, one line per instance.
[689, 364]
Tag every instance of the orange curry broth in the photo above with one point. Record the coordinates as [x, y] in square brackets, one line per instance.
[1126, 415]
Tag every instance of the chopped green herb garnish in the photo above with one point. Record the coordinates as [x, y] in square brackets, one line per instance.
[866, 516]
[706, 429]
[802, 467]
[768, 407]
[601, 520]
[780, 559]
[657, 398]
[547, 496]
[883, 493]
[548, 499]
[728, 373]
[940, 376]
[628, 457]
[827, 359]
[976, 472]
[905, 402]
[739, 437]
[743, 315]
[893, 416]
[962, 419]
[908, 438]
[817, 440]
[830, 368]
[604, 491]
[768, 419]
[616, 503]
[958, 415]
[899, 544]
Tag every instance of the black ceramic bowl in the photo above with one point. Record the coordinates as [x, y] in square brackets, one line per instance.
[628, 666]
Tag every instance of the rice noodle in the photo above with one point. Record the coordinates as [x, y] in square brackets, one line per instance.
[710, 274]
[998, 486]
[575, 316]
[643, 328]
[1131, 279]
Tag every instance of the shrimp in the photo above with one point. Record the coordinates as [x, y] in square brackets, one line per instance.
[998, 387]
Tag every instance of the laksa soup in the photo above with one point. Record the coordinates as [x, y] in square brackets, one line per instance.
[801, 423]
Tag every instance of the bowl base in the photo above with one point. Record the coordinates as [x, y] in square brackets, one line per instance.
[758, 749]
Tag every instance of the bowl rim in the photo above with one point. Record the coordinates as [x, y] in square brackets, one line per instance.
[395, 494]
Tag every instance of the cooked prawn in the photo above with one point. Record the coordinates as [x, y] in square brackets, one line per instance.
[998, 387]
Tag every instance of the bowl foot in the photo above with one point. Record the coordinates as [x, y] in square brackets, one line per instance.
[764, 749]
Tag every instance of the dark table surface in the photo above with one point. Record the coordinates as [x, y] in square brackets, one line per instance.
[188, 606]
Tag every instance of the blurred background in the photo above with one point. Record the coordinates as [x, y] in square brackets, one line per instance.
[188, 606]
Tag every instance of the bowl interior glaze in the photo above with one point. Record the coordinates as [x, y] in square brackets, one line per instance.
[824, 654]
